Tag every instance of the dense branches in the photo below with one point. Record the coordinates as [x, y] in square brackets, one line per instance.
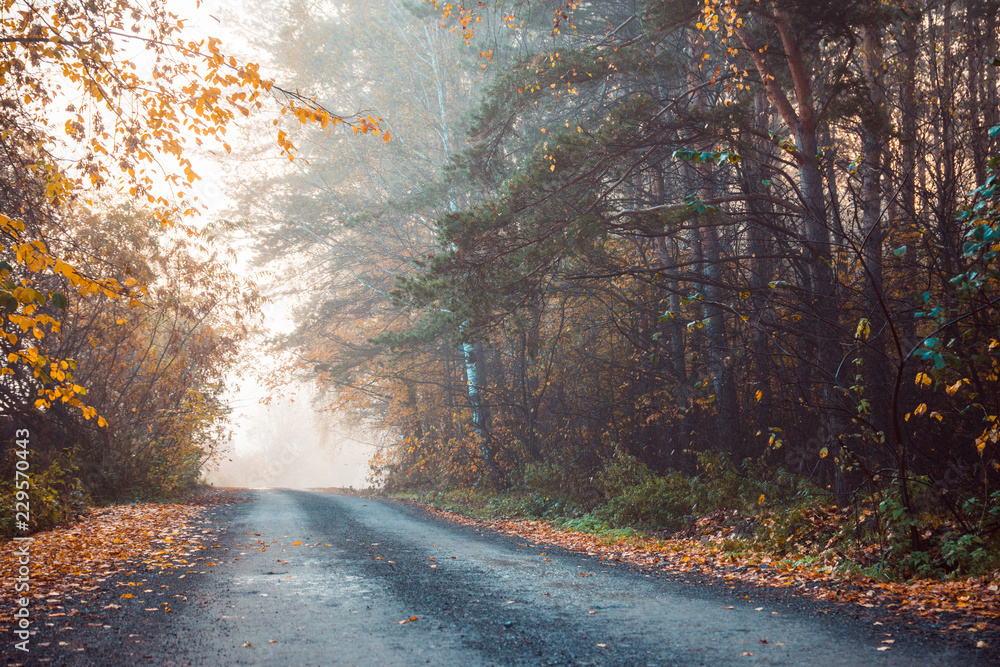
[680, 228]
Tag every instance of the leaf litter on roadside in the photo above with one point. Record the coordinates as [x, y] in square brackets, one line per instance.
[969, 605]
[72, 563]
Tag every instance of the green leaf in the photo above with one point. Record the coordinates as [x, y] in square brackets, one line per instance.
[9, 302]
[900, 251]
[59, 300]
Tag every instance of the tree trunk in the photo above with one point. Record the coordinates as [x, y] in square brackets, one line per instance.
[876, 373]
[761, 265]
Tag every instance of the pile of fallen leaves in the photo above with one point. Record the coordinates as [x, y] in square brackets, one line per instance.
[969, 605]
[69, 562]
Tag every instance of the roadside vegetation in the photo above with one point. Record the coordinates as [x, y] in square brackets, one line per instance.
[746, 511]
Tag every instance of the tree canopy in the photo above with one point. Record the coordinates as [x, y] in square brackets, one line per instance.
[679, 232]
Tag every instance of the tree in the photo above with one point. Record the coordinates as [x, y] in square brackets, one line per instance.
[127, 128]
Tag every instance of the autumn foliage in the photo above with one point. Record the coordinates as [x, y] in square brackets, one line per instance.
[119, 316]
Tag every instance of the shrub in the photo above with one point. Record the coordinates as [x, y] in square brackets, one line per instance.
[55, 495]
[637, 497]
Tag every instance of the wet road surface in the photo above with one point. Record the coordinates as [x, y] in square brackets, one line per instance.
[479, 599]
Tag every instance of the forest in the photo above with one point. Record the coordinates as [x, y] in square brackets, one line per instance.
[613, 264]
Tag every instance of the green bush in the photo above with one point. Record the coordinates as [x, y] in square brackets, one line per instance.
[921, 543]
[559, 476]
[637, 497]
[55, 495]
[654, 502]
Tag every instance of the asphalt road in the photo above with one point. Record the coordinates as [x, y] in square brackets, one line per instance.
[479, 599]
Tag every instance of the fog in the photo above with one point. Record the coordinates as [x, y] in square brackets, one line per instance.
[289, 444]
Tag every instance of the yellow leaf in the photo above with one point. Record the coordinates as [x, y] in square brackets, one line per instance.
[128, 596]
[923, 380]
[760, 501]
[823, 452]
[759, 395]
[921, 409]
[864, 328]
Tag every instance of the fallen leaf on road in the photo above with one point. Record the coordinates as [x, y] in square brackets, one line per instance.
[727, 607]
[273, 641]
[247, 645]
[882, 648]
[127, 596]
